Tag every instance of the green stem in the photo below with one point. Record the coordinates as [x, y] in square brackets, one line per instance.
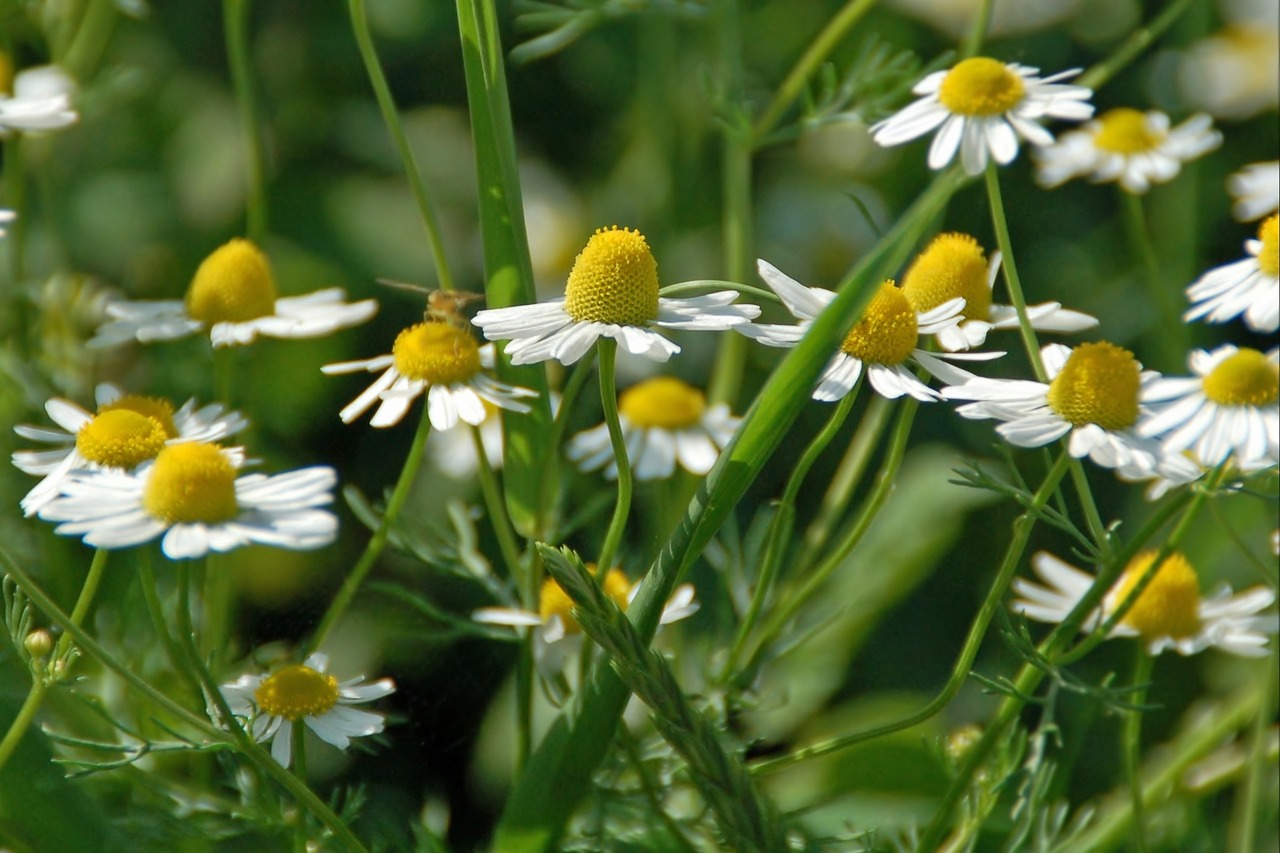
[91, 38]
[978, 32]
[650, 788]
[147, 580]
[1254, 787]
[1169, 332]
[235, 20]
[547, 477]
[15, 184]
[27, 713]
[609, 402]
[1092, 518]
[1010, 268]
[1138, 41]
[1132, 735]
[493, 502]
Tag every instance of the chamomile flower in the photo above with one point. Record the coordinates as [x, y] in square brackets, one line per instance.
[126, 431]
[980, 107]
[883, 341]
[233, 295]
[36, 99]
[663, 421]
[1169, 613]
[1228, 410]
[1256, 190]
[612, 292]
[953, 265]
[190, 495]
[1250, 286]
[1130, 147]
[305, 693]
[441, 359]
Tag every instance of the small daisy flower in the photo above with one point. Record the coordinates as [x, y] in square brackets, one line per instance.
[1256, 190]
[1250, 286]
[36, 99]
[612, 292]
[1169, 614]
[884, 340]
[1227, 410]
[1133, 148]
[440, 359]
[233, 295]
[190, 495]
[273, 704]
[953, 265]
[663, 421]
[980, 107]
[126, 431]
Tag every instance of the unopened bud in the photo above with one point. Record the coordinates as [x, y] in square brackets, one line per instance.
[38, 643]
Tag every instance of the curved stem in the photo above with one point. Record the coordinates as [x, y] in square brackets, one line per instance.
[1170, 333]
[978, 32]
[1010, 268]
[1137, 42]
[235, 20]
[1133, 742]
[609, 402]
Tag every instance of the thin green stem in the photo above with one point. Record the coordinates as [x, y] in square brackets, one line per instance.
[1092, 518]
[22, 721]
[224, 368]
[1132, 746]
[91, 38]
[150, 595]
[497, 509]
[1169, 333]
[1254, 787]
[15, 184]
[1138, 41]
[609, 402]
[548, 480]
[978, 31]
[650, 787]
[299, 745]
[235, 20]
[1010, 267]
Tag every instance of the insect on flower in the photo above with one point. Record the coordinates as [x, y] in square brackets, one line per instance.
[443, 306]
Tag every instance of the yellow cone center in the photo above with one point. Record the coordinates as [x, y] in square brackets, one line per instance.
[191, 483]
[1125, 131]
[950, 266]
[554, 601]
[888, 332]
[1247, 378]
[1269, 254]
[438, 353]
[232, 285]
[6, 74]
[613, 280]
[121, 438]
[663, 402]
[296, 691]
[1098, 385]
[1169, 606]
[981, 87]
[152, 407]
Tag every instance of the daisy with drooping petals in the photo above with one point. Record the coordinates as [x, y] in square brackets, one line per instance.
[190, 494]
[1133, 148]
[612, 292]
[1256, 190]
[441, 359]
[953, 265]
[1169, 613]
[36, 99]
[884, 340]
[126, 431]
[663, 421]
[273, 704]
[980, 107]
[1250, 286]
[233, 295]
[1228, 410]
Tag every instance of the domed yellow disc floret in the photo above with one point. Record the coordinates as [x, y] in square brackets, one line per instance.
[951, 265]
[296, 691]
[1169, 606]
[1245, 378]
[1125, 131]
[438, 353]
[888, 332]
[1269, 254]
[613, 280]
[981, 87]
[152, 407]
[1098, 385]
[663, 402]
[191, 483]
[232, 285]
[554, 601]
[121, 438]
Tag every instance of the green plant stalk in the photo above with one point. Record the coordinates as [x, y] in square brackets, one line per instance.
[1138, 41]
[1244, 828]
[1092, 519]
[90, 40]
[497, 510]
[15, 184]
[379, 539]
[650, 788]
[147, 580]
[1132, 745]
[1169, 334]
[977, 31]
[608, 349]
[235, 20]
[547, 474]
[1010, 267]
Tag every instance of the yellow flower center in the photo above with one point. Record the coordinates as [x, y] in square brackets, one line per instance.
[438, 353]
[613, 280]
[663, 401]
[121, 438]
[152, 407]
[296, 691]
[887, 333]
[1125, 131]
[191, 483]
[1098, 385]
[1247, 378]
[981, 87]
[1169, 606]
[950, 266]
[232, 285]
[6, 74]
[1269, 254]
[554, 601]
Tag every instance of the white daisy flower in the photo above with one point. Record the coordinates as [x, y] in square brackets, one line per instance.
[1232, 73]
[190, 494]
[40, 100]
[233, 295]
[1256, 190]
[612, 292]
[884, 340]
[126, 431]
[1228, 410]
[663, 421]
[1169, 614]
[981, 107]
[1250, 286]
[953, 265]
[1133, 148]
[272, 704]
[440, 359]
